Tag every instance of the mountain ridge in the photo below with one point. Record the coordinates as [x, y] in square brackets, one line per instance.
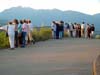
[46, 16]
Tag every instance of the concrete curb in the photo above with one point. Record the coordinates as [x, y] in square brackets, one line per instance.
[94, 68]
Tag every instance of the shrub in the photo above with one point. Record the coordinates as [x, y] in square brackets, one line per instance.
[45, 33]
[35, 34]
[41, 34]
[65, 34]
[4, 42]
[97, 36]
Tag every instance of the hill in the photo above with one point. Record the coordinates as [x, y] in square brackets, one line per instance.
[45, 17]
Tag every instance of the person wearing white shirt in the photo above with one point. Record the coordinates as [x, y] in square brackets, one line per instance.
[83, 29]
[71, 30]
[30, 25]
[31, 40]
[11, 34]
[53, 28]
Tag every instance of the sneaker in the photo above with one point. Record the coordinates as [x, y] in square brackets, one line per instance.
[12, 48]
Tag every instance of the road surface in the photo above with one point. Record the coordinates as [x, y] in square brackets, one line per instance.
[52, 57]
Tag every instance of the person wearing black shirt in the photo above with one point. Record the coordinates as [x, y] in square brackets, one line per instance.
[92, 30]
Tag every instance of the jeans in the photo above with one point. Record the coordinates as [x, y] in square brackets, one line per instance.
[23, 39]
[54, 34]
[60, 34]
[16, 38]
[57, 34]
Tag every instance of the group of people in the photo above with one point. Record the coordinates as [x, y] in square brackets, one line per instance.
[19, 33]
[76, 30]
[57, 28]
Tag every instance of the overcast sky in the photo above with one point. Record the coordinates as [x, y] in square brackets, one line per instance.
[85, 6]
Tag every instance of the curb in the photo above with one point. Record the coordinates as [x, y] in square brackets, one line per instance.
[94, 68]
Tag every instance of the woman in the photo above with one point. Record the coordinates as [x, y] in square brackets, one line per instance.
[30, 32]
[24, 32]
[11, 34]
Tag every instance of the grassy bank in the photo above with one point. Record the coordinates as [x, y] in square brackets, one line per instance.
[4, 42]
[39, 34]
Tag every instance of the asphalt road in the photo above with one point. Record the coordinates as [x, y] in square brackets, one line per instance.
[52, 57]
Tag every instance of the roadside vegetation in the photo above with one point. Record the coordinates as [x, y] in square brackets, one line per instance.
[39, 34]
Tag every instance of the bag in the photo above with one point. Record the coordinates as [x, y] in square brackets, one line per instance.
[7, 32]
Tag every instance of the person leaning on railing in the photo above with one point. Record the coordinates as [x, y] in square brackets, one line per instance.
[11, 34]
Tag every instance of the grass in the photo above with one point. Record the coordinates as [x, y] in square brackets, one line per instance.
[39, 34]
[97, 36]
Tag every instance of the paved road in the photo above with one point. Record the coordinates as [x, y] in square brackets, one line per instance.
[52, 57]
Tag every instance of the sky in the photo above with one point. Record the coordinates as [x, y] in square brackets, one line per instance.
[85, 6]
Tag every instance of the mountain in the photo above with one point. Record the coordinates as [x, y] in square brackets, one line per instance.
[45, 17]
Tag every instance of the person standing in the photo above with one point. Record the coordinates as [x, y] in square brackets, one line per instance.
[74, 30]
[11, 34]
[71, 30]
[83, 29]
[79, 30]
[57, 29]
[30, 32]
[15, 22]
[24, 33]
[27, 33]
[88, 31]
[67, 28]
[20, 33]
[61, 29]
[92, 30]
[53, 28]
